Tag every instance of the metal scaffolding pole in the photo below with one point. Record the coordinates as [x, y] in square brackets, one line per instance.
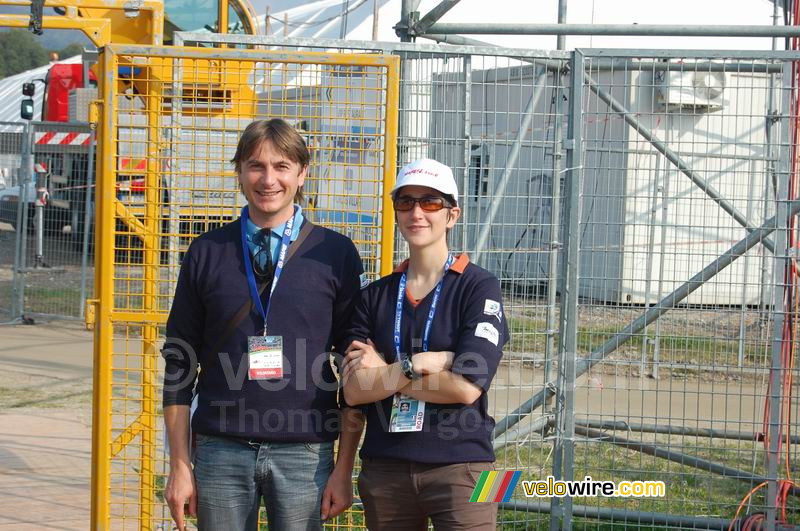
[434, 14]
[407, 7]
[669, 429]
[538, 427]
[676, 457]
[642, 30]
[562, 19]
[663, 306]
[780, 274]
[641, 518]
[568, 337]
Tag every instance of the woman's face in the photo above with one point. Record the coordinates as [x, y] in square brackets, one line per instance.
[419, 227]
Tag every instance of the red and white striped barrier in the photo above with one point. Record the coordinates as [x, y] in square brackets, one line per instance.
[130, 164]
[51, 138]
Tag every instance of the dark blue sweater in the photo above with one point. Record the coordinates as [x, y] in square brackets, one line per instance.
[469, 321]
[311, 307]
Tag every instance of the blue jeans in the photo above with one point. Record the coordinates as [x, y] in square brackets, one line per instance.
[233, 475]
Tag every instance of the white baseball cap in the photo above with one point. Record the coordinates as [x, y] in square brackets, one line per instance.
[430, 173]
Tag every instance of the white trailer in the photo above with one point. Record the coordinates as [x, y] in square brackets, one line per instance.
[642, 218]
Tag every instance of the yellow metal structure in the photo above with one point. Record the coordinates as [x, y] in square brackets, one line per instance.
[345, 105]
[103, 21]
[126, 21]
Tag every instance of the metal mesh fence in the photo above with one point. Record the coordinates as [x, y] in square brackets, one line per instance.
[493, 119]
[681, 160]
[11, 141]
[621, 199]
[48, 196]
[170, 130]
[466, 107]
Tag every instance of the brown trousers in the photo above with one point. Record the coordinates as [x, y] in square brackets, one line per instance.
[399, 495]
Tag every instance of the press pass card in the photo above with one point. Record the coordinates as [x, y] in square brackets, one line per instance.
[408, 414]
[265, 357]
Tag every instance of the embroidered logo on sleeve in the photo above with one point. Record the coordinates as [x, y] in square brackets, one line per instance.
[491, 307]
[364, 280]
[488, 331]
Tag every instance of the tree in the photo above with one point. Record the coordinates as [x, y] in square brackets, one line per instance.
[20, 51]
[70, 50]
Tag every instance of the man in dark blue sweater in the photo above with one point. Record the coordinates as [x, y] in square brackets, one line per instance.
[258, 306]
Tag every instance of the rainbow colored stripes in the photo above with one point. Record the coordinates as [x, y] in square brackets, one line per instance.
[495, 486]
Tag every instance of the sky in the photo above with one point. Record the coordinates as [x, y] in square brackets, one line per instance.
[322, 18]
[679, 12]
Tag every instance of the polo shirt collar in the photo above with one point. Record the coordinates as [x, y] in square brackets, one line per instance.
[252, 228]
[458, 265]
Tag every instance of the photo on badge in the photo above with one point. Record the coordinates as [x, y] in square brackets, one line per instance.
[407, 414]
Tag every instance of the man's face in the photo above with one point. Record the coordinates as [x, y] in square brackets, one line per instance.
[269, 181]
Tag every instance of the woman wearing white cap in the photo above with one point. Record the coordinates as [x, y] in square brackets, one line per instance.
[427, 340]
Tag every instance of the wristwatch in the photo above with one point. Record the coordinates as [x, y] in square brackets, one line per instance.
[407, 366]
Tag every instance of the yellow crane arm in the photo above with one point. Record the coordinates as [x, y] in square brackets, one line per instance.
[119, 21]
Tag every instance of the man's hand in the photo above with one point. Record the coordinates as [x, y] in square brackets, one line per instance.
[426, 363]
[338, 494]
[181, 493]
[361, 356]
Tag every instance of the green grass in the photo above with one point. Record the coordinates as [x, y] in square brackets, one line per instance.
[53, 300]
[528, 335]
[689, 491]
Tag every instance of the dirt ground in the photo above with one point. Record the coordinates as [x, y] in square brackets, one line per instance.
[45, 426]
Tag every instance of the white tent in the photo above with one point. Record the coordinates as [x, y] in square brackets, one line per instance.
[325, 19]
[331, 19]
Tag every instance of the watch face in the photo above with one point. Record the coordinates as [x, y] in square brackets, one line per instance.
[407, 367]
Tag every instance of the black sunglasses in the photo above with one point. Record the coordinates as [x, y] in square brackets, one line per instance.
[405, 203]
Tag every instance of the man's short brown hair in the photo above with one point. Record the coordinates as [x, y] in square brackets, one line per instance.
[283, 137]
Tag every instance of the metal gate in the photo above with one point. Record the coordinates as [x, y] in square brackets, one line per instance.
[169, 126]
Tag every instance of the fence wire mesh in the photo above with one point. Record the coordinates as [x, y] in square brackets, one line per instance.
[48, 195]
[682, 158]
[669, 161]
[11, 142]
[170, 129]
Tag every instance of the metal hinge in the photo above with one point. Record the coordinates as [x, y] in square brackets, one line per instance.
[90, 313]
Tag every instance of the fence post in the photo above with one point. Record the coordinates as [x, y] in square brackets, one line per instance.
[20, 249]
[568, 336]
[781, 266]
[87, 220]
[555, 247]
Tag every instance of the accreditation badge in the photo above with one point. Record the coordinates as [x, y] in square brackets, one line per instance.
[408, 414]
[264, 357]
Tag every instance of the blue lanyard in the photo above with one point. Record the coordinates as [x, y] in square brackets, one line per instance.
[248, 266]
[398, 315]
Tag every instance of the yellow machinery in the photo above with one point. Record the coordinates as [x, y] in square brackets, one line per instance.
[129, 21]
[139, 22]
